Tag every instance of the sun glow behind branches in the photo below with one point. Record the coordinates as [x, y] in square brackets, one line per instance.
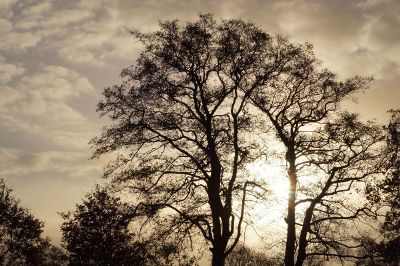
[271, 211]
[275, 176]
[269, 216]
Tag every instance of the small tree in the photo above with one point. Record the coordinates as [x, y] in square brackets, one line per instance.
[98, 233]
[20, 233]
[245, 256]
[55, 256]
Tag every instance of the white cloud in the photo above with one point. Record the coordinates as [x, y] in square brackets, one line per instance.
[37, 9]
[8, 95]
[55, 82]
[5, 8]
[9, 71]
[68, 164]
[37, 103]
[5, 26]
[40, 22]
[19, 41]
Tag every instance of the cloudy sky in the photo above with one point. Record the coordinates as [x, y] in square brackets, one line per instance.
[57, 56]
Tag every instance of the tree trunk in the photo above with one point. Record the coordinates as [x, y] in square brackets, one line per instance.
[291, 217]
[218, 258]
[301, 254]
[220, 218]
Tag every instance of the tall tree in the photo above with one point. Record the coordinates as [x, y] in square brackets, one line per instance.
[183, 125]
[20, 233]
[298, 102]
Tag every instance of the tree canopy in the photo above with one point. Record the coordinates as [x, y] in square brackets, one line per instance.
[302, 103]
[97, 232]
[385, 249]
[100, 232]
[197, 109]
[180, 122]
[21, 242]
[390, 187]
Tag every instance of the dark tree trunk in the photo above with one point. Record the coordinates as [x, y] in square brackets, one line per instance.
[291, 217]
[220, 221]
[301, 254]
[218, 258]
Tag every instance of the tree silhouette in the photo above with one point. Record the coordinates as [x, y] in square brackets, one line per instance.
[183, 125]
[191, 114]
[20, 233]
[299, 103]
[386, 193]
[347, 154]
[245, 256]
[99, 232]
[390, 187]
[54, 255]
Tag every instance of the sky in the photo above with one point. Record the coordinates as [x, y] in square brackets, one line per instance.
[56, 57]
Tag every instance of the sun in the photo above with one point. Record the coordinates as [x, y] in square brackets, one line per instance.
[272, 210]
[280, 188]
[275, 176]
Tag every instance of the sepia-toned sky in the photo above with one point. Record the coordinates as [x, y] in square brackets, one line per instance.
[57, 56]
